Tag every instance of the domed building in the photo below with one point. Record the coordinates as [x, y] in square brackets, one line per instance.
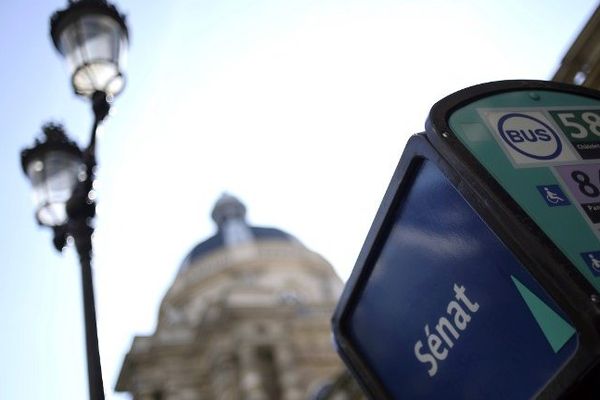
[247, 317]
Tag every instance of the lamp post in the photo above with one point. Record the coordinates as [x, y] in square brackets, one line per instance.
[92, 36]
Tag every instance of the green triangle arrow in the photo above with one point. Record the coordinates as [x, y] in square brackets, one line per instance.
[555, 328]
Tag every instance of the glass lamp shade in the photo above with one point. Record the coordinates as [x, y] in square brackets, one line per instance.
[93, 38]
[54, 169]
[53, 179]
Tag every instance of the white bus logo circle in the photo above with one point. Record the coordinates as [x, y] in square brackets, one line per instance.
[529, 136]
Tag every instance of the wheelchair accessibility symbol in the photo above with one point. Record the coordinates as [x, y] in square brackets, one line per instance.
[553, 195]
[592, 259]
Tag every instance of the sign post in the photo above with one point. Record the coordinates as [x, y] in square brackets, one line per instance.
[480, 275]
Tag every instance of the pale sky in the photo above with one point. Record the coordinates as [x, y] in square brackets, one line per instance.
[301, 108]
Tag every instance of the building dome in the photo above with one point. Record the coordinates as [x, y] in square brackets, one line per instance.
[229, 214]
[247, 317]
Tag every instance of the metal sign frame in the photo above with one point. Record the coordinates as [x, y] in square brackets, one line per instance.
[513, 226]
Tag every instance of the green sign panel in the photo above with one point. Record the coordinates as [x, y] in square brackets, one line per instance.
[543, 148]
[582, 128]
[553, 326]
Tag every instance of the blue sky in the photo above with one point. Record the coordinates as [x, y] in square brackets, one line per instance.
[301, 108]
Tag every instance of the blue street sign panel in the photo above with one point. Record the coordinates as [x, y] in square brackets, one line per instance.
[447, 311]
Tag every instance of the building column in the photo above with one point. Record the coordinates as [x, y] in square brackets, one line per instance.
[224, 377]
[288, 369]
[251, 385]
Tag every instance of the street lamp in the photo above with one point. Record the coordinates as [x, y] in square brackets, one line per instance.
[93, 38]
[54, 167]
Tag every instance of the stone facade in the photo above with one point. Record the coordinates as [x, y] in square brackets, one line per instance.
[247, 317]
[581, 63]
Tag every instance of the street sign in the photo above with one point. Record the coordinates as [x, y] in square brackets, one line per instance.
[481, 272]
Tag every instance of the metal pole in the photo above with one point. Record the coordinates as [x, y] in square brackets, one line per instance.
[81, 209]
[83, 235]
